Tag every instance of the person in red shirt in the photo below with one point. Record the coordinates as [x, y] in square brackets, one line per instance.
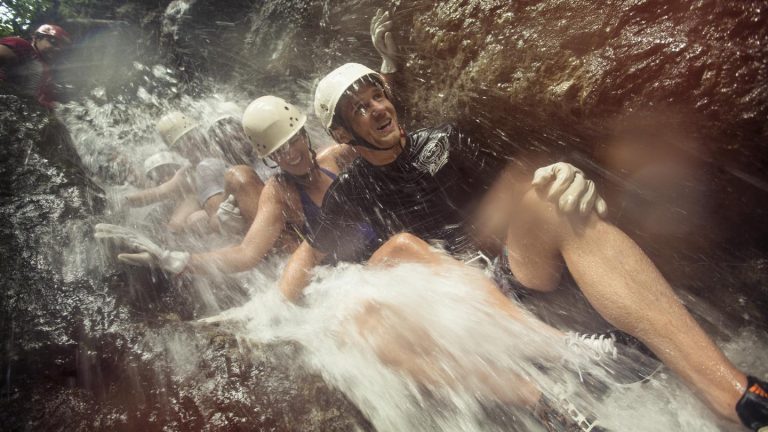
[25, 65]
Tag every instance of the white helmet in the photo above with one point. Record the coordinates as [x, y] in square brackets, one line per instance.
[269, 122]
[173, 126]
[330, 89]
[162, 158]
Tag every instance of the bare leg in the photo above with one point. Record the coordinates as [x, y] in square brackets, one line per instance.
[242, 182]
[405, 345]
[407, 248]
[625, 287]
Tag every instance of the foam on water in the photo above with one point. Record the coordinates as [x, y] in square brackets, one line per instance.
[444, 322]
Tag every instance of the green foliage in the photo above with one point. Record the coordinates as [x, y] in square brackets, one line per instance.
[17, 15]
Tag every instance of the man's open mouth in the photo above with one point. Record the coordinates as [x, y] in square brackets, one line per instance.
[385, 127]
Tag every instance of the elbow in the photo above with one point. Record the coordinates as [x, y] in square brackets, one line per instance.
[250, 258]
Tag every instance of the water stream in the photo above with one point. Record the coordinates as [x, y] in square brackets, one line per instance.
[99, 345]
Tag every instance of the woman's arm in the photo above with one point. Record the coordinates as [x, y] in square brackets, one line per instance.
[259, 240]
[179, 184]
[298, 271]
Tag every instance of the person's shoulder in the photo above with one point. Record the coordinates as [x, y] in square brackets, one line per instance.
[435, 132]
[20, 47]
[333, 151]
[445, 128]
[16, 42]
[445, 135]
[280, 184]
[342, 155]
[279, 188]
[348, 182]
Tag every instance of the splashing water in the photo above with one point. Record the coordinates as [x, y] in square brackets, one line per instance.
[435, 324]
[443, 323]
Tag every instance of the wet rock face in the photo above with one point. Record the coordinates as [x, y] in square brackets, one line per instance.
[251, 45]
[595, 59]
[181, 377]
[45, 197]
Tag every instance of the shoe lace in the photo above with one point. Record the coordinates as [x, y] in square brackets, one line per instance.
[598, 345]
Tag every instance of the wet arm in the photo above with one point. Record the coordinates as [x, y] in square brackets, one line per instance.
[259, 240]
[298, 271]
[179, 184]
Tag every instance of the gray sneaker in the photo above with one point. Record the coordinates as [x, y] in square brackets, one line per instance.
[559, 414]
[597, 346]
[624, 357]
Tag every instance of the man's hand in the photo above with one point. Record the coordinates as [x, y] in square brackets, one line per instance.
[384, 41]
[230, 219]
[570, 188]
[141, 250]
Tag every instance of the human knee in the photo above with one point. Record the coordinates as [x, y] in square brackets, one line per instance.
[400, 247]
[534, 243]
[542, 212]
[405, 244]
[197, 219]
[536, 204]
[540, 218]
[237, 177]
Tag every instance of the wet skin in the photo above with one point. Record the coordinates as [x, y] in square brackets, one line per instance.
[372, 116]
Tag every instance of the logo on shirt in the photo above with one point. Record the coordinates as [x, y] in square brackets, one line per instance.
[433, 155]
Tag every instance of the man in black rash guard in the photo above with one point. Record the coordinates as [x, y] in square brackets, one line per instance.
[423, 186]
[430, 191]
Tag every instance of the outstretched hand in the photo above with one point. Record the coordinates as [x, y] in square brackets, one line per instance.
[140, 250]
[384, 41]
[230, 219]
[570, 188]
